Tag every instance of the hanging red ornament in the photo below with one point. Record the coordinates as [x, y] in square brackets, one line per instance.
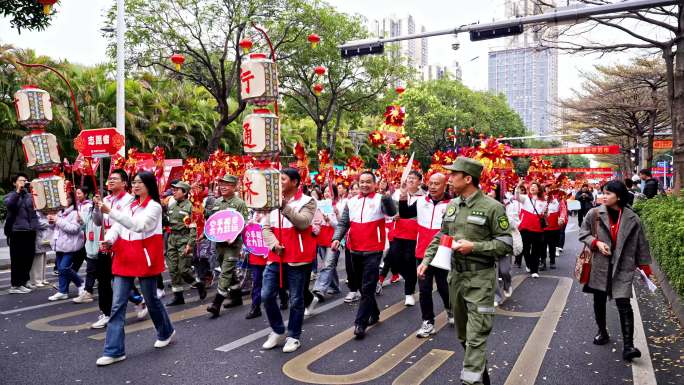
[320, 70]
[400, 90]
[178, 60]
[314, 40]
[317, 89]
[246, 45]
[47, 5]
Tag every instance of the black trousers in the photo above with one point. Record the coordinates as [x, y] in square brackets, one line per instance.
[405, 258]
[580, 217]
[425, 289]
[79, 258]
[533, 249]
[391, 260]
[366, 270]
[600, 299]
[91, 274]
[22, 245]
[551, 240]
[561, 238]
[103, 273]
[353, 283]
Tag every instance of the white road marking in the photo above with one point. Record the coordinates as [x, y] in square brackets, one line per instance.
[642, 368]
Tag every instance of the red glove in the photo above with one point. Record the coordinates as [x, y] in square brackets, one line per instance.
[646, 269]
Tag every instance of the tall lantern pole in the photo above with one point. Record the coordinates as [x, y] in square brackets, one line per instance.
[120, 75]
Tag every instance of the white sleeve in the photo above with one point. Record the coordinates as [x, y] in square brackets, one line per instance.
[143, 223]
[112, 234]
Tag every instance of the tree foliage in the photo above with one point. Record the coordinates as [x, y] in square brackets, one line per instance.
[25, 14]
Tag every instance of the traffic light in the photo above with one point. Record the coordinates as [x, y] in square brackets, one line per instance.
[362, 50]
[494, 33]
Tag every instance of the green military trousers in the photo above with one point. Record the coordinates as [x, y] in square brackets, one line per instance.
[179, 264]
[472, 300]
[228, 257]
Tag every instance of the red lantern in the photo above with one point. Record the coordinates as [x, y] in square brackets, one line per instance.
[178, 60]
[246, 45]
[47, 5]
[320, 70]
[317, 89]
[400, 90]
[314, 40]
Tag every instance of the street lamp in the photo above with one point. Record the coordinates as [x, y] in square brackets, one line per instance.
[120, 75]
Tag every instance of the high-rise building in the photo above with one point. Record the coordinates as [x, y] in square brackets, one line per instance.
[527, 73]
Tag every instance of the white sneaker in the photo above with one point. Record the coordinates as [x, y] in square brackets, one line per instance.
[378, 288]
[496, 303]
[17, 290]
[142, 310]
[81, 289]
[39, 284]
[101, 322]
[58, 296]
[527, 269]
[426, 330]
[410, 301]
[84, 297]
[352, 297]
[309, 309]
[104, 360]
[559, 250]
[535, 275]
[291, 344]
[274, 339]
[164, 343]
[508, 293]
[29, 286]
[450, 318]
[160, 293]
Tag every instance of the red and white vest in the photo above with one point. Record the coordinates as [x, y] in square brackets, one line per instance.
[529, 218]
[429, 222]
[300, 246]
[552, 216]
[138, 254]
[367, 223]
[406, 228]
[120, 202]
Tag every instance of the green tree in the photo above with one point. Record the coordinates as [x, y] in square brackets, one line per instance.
[25, 14]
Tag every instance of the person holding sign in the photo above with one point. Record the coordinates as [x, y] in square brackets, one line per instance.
[288, 233]
[228, 253]
[481, 235]
[181, 243]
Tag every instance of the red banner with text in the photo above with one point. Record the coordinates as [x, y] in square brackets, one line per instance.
[596, 150]
[594, 170]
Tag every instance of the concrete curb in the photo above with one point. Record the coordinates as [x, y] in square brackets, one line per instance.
[675, 301]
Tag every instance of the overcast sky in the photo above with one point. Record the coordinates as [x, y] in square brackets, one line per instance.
[75, 34]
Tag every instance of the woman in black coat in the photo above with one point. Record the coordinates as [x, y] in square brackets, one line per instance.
[615, 235]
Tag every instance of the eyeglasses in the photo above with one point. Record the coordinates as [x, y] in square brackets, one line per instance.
[114, 179]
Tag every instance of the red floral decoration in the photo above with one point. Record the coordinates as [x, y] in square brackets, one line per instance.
[376, 138]
[302, 163]
[400, 90]
[403, 143]
[395, 115]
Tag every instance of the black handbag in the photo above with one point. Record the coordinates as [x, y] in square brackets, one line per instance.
[542, 218]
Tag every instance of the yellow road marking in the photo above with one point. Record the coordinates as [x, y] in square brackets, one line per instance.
[422, 369]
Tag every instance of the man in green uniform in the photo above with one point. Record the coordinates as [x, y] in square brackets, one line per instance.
[480, 231]
[228, 254]
[181, 243]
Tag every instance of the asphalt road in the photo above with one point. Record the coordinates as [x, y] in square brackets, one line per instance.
[542, 335]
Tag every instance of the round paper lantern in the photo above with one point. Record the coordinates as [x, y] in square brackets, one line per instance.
[33, 107]
[314, 40]
[246, 45]
[47, 5]
[400, 90]
[317, 89]
[259, 80]
[178, 60]
[320, 70]
[261, 132]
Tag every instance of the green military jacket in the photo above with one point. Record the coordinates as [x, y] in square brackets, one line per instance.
[478, 219]
[175, 219]
[234, 203]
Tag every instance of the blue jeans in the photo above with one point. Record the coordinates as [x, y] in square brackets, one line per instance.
[64, 263]
[297, 280]
[114, 342]
[327, 275]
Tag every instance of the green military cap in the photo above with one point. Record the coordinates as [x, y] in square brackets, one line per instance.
[469, 166]
[180, 184]
[229, 179]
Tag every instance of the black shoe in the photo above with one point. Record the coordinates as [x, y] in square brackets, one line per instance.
[235, 299]
[201, 290]
[373, 320]
[553, 266]
[518, 265]
[542, 267]
[283, 305]
[629, 352]
[215, 306]
[318, 295]
[601, 338]
[177, 299]
[254, 312]
[359, 332]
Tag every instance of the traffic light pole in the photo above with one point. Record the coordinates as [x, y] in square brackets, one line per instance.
[505, 27]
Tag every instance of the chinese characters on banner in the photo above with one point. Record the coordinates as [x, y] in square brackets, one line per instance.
[598, 150]
[98, 142]
[224, 226]
[662, 144]
[598, 170]
[254, 240]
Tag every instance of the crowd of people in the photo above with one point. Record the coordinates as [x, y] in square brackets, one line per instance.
[131, 235]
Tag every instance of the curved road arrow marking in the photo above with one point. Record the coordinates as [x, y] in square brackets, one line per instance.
[421, 370]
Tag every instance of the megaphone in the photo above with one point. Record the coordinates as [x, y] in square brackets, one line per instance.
[442, 259]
